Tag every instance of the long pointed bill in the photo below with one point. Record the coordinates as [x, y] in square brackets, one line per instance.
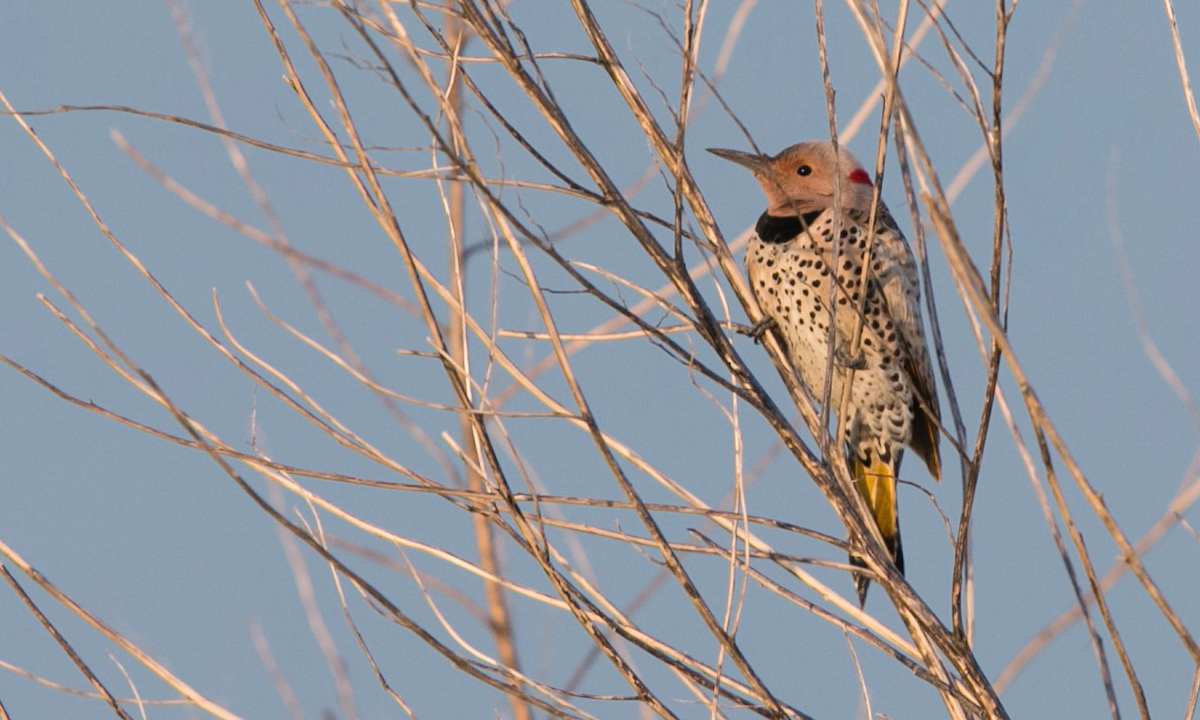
[758, 164]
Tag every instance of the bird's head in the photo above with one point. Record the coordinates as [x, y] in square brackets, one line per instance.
[800, 179]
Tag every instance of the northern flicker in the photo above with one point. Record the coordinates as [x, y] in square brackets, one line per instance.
[790, 262]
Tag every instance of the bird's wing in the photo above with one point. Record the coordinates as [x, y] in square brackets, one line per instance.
[902, 295]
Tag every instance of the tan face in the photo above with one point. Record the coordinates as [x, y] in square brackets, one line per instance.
[800, 179]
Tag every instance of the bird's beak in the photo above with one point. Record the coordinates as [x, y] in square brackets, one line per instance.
[760, 165]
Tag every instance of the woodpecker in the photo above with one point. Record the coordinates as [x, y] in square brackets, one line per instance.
[791, 263]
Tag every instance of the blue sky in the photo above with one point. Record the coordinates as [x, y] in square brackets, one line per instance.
[157, 542]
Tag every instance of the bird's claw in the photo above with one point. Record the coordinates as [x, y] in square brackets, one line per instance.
[842, 357]
[760, 328]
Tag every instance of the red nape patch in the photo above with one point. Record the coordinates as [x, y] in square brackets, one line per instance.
[860, 176]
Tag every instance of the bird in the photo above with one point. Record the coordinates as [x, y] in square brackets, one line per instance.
[791, 264]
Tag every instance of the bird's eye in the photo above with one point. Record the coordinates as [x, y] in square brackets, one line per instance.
[804, 170]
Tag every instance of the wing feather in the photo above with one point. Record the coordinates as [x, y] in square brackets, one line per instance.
[902, 297]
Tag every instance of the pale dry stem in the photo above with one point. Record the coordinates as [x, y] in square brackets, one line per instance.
[475, 360]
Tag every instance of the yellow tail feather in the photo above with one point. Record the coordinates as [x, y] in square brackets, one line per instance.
[877, 484]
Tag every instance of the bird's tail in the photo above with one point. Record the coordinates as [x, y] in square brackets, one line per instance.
[877, 484]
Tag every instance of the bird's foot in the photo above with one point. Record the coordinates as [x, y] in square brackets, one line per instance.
[760, 328]
[843, 358]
